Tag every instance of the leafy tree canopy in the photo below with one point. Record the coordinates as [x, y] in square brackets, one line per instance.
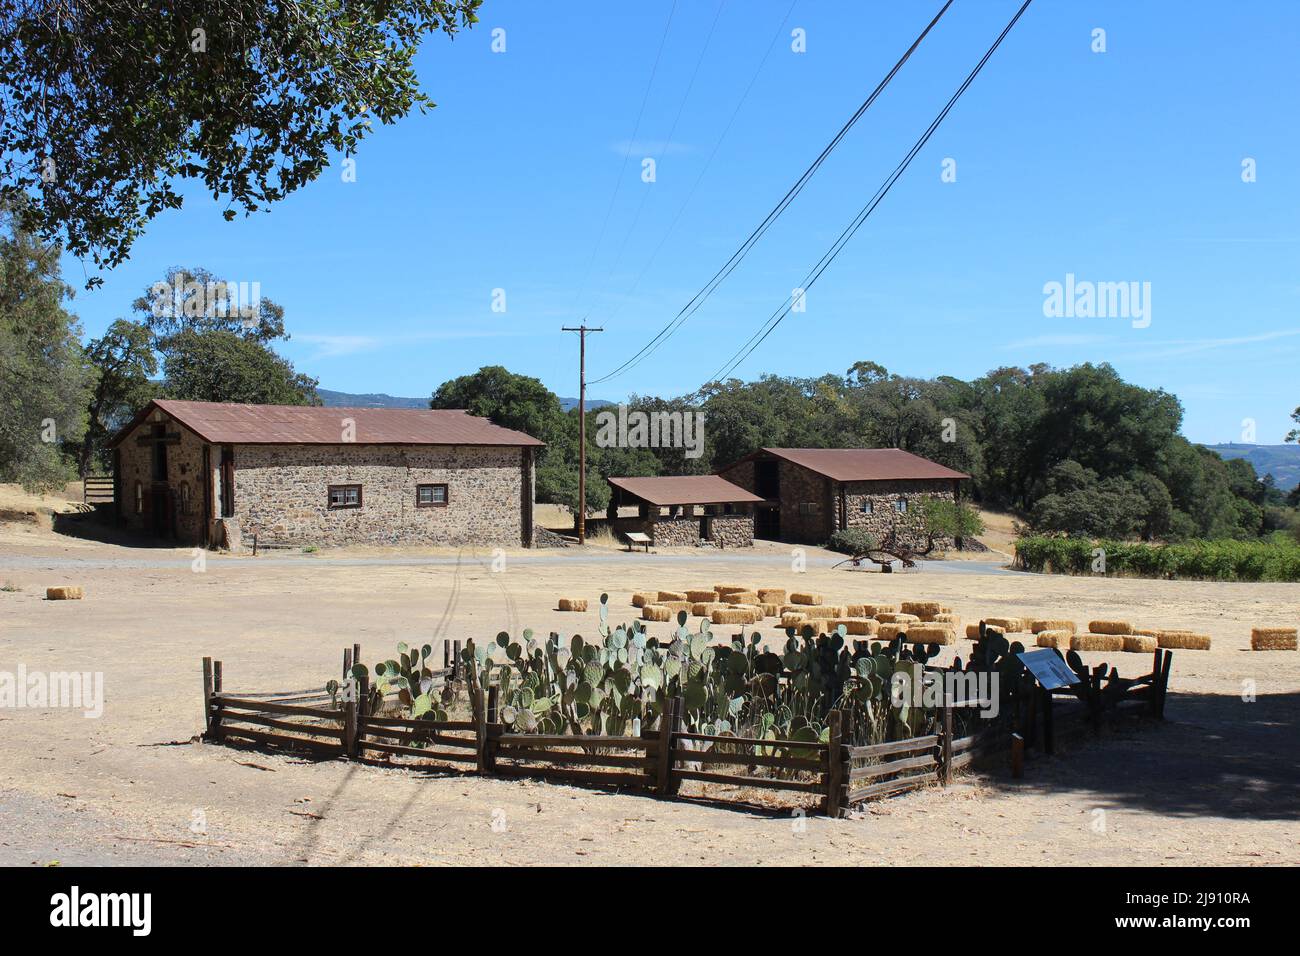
[110, 105]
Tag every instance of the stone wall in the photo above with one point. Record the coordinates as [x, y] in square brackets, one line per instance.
[884, 515]
[281, 494]
[183, 491]
[733, 531]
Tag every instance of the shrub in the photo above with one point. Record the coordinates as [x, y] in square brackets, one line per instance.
[1222, 560]
[852, 541]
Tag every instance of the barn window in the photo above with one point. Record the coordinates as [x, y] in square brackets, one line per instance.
[139, 499]
[901, 506]
[867, 506]
[344, 496]
[430, 496]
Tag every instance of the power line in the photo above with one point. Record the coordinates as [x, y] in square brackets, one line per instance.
[738, 256]
[777, 317]
[636, 128]
[712, 154]
[690, 84]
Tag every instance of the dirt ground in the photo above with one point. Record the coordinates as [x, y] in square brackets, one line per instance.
[1217, 783]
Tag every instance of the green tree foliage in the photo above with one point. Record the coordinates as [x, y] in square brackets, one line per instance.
[951, 519]
[45, 379]
[225, 367]
[509, 400]
[125, 358]
[110, 104]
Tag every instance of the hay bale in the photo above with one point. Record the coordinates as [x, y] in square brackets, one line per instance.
[1110, 627]
[1097, 642]
[1183, 640]
[793, 619]
[573, 604]
[1145, 632]
[888, 632]
[1057, 639]
[930, 634]
[823, 612]
[65, 593]
[856, 610]
[1272, 638]
[947, 617]
[857, 626]
[924, 610]
[656, 612]
[676, 606]
[1139, 643]
[889, 617]
[944, 609]
[755, 611]
[731, 615]
[642, 598]
[875, 610]
[805, 598]
[697, 597]
[725, 589]
[742, 597]
[1005, 623]
[770, 610]
[972, 632]
[705, 608]
[819, 626]
[1037, 627]
[670, 596]
[773, 595]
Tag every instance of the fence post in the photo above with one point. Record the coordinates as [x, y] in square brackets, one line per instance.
[1017, 756]
[347, 663]
[835, 765]
[1049, 727]
[455, 660]
[945, 753]
[664, 765]
[446, 658]
[1164, 680]
[489, 732]
[350, 728]
[207, 694]
[674, 782]
[214, 728]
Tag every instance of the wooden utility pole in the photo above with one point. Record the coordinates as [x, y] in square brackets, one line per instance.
[582, 331]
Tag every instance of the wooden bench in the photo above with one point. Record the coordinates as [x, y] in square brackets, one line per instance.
[638, 537]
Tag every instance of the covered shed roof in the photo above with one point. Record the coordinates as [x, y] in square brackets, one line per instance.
[235, 424]
[685, 490]
[865, 464]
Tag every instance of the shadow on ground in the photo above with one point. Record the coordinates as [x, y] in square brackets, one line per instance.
[1214, 755]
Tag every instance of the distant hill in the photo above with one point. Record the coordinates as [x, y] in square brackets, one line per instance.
[368, 400]
[1280, 461]
[334, 399]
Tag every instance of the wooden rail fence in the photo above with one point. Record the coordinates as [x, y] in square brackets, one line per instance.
[660, 758]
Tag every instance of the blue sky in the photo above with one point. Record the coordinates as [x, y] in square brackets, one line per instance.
[1122, 166]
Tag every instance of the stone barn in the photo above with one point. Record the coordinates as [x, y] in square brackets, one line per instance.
[209, 473]
[684, 511]
[810, 493]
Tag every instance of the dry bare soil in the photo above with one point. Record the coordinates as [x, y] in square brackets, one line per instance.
[1218, 783]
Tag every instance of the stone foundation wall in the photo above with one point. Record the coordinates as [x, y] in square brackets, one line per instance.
[281, 494]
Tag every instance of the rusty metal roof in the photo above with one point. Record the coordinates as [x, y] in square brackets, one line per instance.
[685, 490]
[234, 424]
[865, 464]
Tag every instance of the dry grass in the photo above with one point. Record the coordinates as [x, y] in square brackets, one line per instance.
[1037, 627]
[1183, 640]
[1272, 638]
[1057, 639]
[1097, 642]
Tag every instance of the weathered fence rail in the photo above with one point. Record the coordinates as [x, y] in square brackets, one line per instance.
[661, 758]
